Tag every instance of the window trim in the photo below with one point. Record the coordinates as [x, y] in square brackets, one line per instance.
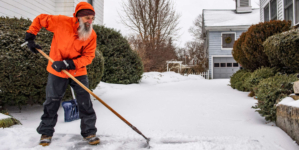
[296, 22]
[267, 5]
[270, 14]
[222, 40]
[284, 8]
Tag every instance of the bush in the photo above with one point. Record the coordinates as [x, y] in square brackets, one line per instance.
[282, 50]
[252, 46]
[238, 53]
[23, 74]
[237, 80]
[270, 91]
[257, 76]
[122, 65]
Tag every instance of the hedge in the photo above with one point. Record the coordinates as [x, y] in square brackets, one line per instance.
[122, 64]
[270, 91]
[257, 76]
[282, 50]
[252, 46]
[23, 74]
[237, 80]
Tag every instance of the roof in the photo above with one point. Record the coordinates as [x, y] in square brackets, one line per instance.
[222, 17]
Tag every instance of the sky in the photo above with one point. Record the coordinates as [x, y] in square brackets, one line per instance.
[189, 10]
[176, 112]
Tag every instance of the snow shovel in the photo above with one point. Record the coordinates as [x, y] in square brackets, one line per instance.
[90, 92]
[71, 111]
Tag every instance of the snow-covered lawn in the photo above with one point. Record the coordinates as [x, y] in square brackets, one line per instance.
[176, 112]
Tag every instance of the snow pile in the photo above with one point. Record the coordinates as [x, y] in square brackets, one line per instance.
[2, 116]
[289, 101]
[166, 77]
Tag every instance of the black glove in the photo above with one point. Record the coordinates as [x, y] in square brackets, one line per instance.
[31, 44]
[65, 64]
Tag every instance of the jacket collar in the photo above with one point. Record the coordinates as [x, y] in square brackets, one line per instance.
[75, 25]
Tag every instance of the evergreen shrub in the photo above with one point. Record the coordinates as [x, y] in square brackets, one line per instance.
[237, 80]
[238, 53]
[270, 91]
[23, 74]
[282, 50]
[258, 75]
[122, 64]
[252, 46]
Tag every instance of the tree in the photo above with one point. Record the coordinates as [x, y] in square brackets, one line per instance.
[155, 22]
[197, 53]
[196, 29]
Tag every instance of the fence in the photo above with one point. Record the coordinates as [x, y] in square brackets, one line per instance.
[205, 74]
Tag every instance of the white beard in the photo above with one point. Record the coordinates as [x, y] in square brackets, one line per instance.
[84, 32]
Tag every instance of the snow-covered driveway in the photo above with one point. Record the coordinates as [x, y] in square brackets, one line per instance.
[176, 112]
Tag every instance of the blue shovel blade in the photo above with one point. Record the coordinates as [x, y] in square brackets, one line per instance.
[71, 111]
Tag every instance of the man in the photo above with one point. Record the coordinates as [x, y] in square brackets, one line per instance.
[73, 48]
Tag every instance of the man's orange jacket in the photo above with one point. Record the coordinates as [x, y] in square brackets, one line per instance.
[65, 43]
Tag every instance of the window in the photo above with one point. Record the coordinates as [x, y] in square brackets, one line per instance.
[266, 13]
[273, 7]
[90, 2]
[288, 10]
[297, 11]
[229, 64]
[223, 64]
[236, 65]
[228, 40]
[244, 3]
[216, 64]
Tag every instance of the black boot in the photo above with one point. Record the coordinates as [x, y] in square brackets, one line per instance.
[45, 140]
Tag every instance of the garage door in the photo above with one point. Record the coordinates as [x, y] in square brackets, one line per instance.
[224, 67]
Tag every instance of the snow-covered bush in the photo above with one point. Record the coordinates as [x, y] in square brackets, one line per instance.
[237, 80]
[23, 75]
[258, 75]
[282, 51]
[252, 46]
[122, 64]
[270, 91]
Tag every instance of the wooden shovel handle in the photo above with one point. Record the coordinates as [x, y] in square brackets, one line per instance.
[85, 88]
[90, 92]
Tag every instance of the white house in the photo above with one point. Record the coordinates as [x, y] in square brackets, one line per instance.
[221, 28]
[32, 8]
[280, 10]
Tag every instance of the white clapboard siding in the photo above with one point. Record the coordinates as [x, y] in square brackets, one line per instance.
[99, 9]
[32, 8]
[280, 10]
[65, 7]
[26, 9]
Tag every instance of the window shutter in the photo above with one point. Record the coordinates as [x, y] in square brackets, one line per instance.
[244, 3]
[228, 40]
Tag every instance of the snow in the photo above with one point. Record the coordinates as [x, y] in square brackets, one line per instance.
[3, 116]
[289, 101]
[176, 112]
[220, 17]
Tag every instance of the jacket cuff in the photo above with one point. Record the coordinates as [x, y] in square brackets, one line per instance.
[71, 64]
